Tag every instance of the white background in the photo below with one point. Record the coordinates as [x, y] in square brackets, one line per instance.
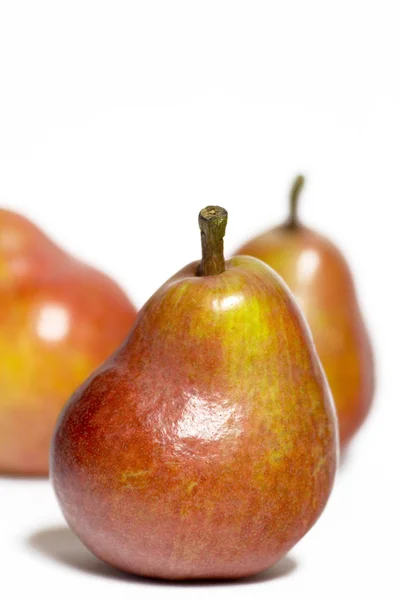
[118, 122]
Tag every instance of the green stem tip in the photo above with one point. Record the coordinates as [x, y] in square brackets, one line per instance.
[297, 187]
[212, 223]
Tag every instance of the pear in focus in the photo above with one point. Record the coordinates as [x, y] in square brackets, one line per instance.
[206, 446]
[59, 319]
[318, 275]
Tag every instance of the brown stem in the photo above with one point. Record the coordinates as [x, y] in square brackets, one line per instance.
[212, 223]
[297, 186]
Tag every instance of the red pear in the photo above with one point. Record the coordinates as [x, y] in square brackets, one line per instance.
[59, 319]
[319, 276]
[206, 446]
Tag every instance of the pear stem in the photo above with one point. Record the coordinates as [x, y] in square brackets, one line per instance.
[297, 186]
[212, 223]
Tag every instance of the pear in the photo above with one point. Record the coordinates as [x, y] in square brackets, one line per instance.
[206, 446]
[319, 276]
[59, 320]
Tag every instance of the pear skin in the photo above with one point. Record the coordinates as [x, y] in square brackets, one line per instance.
[319, 276]
[206, 446]
[59, 319]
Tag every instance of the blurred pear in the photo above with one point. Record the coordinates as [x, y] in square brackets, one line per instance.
[319, 276]
[59, 319]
